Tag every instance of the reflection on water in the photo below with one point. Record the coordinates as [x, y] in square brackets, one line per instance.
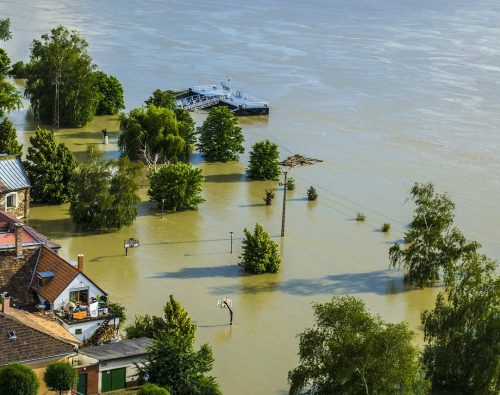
[386, 93]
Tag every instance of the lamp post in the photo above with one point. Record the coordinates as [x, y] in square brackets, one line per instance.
[231, 233]
[162, 203]
[284, 204]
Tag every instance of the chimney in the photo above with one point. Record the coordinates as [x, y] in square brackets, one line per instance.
[80, 263]
[6, 303]
[18, 229]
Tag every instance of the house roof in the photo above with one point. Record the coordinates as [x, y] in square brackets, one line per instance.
[64, 273]
[46, 324]
[119, 350]
[30, 344]
[16, 275]
[12, 174]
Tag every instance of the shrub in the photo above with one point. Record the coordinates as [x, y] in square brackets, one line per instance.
[311, 193]
[385, 227]
[269, 197]
[360, 217]
[18, 379]
[152, 389]
[60, 376]
[290, 184]
[260, 252]
[264, 163]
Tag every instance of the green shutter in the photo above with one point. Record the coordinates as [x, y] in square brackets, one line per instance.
[82, 384]
[106, 381]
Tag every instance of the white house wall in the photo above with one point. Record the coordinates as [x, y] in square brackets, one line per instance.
[79, 282]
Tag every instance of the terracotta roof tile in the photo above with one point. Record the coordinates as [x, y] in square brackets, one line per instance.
[30, 344]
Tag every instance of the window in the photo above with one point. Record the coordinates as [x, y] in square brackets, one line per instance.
[78, 331]
[11, 200]
[81, 296]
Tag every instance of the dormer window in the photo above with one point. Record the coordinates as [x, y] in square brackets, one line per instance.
[11, 200]
[44, 278]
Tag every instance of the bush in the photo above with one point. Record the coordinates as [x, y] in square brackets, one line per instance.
[152, 389]
[18, 70]
[360, 217]
[385, 227]
[18, 379]
[260, 252]
[264, 163]
[178, 184]
[290, 184]
[311, 193]
[60, 376]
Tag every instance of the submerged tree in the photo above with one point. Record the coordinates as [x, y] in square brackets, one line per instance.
[433, 243]
[60, 62]
[220, 137]
[8, 139]
[350, 351]
[462, 332]
[49, 167]
[110, 94]
[260, 252]
[264, 163]
[176, 186]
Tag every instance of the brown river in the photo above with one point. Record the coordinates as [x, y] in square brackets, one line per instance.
[386, 93]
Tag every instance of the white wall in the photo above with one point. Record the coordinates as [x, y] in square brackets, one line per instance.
[79, 282]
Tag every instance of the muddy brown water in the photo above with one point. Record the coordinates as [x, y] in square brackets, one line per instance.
[386, 94]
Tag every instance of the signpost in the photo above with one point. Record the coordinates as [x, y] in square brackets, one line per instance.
[130, 243]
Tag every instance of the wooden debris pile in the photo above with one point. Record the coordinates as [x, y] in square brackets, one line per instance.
[299, 160]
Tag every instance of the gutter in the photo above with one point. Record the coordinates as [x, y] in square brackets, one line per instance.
[41, 358]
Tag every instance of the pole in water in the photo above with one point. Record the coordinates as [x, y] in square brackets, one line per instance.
[230, 313]
[284, 205]
[226, 303]
[231, 233]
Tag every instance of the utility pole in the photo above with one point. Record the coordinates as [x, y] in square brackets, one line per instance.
[284, 204]
[57, 82]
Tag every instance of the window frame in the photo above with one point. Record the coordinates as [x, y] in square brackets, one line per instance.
[13, 195]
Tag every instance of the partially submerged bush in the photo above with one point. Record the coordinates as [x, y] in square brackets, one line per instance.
[385, 227]
[360, 217]
[311, 193]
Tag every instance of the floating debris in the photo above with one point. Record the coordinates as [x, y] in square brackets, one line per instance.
[299, 160]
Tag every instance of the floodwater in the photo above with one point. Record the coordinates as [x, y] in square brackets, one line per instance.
[386, 93]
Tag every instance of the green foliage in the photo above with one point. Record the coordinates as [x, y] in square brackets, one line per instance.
[18, 379]
[179, 184]
[165, 99]
[152, 389]
[264, 163]
[462, 332]
[260, 252]
[110, 94]
[360, 217]
[349, 351]
[18, 70]
[385, 227]
[62, 53]
[5, 33]
[174, 364]
[175, 321]
[49, 167]
[8, 139]
[269, 197]
[60, 376]
[220, 137]
[105, 192]
[311, 193]
[433, 244]
[9, 97]
[290, 184]
[119, 311]
[156, 131]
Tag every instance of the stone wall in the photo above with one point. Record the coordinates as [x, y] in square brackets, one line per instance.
[22, 209]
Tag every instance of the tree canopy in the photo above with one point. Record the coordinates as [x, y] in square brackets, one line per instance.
[220, 137]
[9, 97]
[49, 167]
[61, 60]
[110, 94]
[433, 244]
[165, 99]
[5, 29]
[105, 192]
[156, 131]
[178, 184]
[260, 252]
[462, 332]
[264, 163]
[18, 379]
[350, 351]
[8, 139]
[152, 389]
[60, 376]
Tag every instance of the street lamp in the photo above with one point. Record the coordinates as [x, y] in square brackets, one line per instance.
[162, 203]
[231, 233]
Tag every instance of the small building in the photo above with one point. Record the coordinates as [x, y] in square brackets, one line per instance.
[110, 367]
[14, 187]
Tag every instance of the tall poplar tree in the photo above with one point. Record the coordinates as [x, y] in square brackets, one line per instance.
[8, 139]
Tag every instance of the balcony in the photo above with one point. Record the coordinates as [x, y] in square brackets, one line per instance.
[82, 314]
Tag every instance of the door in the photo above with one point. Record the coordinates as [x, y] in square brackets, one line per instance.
[113, 380]
[82, 384]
